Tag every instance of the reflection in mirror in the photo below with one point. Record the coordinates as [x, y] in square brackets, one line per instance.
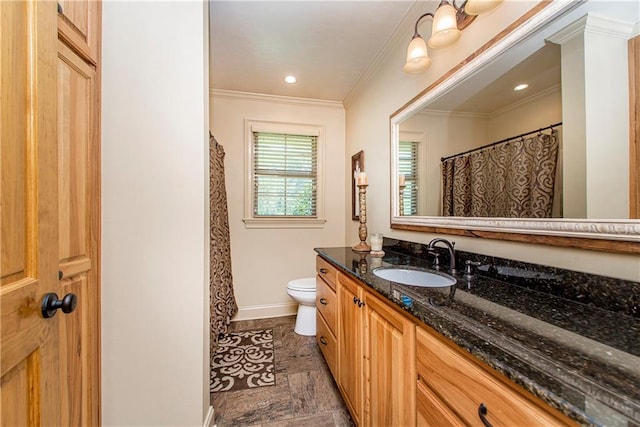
[462, 121]
[553, 121]
[577, 168]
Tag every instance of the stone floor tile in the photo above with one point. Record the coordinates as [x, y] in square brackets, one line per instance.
[316, 420]
[252, 406]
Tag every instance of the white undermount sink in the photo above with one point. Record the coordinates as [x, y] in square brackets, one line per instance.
[422, 278]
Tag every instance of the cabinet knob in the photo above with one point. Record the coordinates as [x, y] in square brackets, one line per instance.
[355, 300]
[323, 301]
[323, 340]
[324, 271]
[482, 411]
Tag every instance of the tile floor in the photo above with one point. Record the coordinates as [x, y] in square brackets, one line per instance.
[304, 395]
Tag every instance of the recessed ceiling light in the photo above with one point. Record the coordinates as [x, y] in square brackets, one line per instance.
[290, 79]
[521, 87]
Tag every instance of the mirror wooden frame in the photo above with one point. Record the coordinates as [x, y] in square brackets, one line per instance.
[621, 236]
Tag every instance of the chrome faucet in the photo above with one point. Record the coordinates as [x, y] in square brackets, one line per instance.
[452, 253]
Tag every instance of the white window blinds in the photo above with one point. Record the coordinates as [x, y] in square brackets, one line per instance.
[408, 166]
[285, 174]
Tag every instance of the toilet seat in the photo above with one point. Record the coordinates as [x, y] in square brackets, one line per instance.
[307, 284]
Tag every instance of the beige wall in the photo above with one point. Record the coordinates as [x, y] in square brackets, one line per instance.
[154, 176]
[444, 134]
[386, 89]
[264, 260]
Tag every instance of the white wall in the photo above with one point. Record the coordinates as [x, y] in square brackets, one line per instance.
[445, 134]
[387, 88]
[264, 260]
[154, 251]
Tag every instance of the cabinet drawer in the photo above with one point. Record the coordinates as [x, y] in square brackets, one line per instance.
[327, 343]
[326, 303]
[327, 272]
[464, 385]
[431, 411]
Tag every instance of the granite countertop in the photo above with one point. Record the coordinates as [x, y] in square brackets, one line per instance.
[579, 357]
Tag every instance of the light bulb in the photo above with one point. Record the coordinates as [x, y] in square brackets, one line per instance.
[445, 30]
[477, 7]
[417, 56]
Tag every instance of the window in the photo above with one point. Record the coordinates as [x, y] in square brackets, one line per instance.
[285, 175]
[408, 166]
[283, 188]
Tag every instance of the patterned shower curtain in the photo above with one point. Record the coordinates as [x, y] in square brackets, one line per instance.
[510, 180]
[222, 300]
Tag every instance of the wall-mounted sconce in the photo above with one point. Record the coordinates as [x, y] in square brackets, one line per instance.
[448, 20]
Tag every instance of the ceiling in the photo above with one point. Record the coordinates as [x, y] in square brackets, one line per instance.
[492, 91]
[327, 45]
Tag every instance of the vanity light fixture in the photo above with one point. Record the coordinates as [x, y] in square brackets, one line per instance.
[448, 20]
[290, 79]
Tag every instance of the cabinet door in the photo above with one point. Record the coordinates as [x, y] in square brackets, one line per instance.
[350, 345]
[390, 373]
[460, 382]
[431, 411]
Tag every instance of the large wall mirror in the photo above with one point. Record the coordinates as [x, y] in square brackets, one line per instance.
[549, 162]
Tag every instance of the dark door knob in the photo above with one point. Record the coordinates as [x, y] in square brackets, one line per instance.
[51, 304]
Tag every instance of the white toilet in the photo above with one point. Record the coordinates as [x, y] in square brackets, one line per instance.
[303, 291]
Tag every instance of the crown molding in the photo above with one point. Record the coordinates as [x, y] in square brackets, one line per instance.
[462, 114]
[594, 24]
[274, 99]
[523, 101]
[402, 33]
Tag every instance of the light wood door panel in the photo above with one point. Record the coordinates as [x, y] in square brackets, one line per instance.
[431, 412]
[29, 387]
[464, 385]
[390, 365]
[78, 211]
[16, 95]
[78, 27]
[350, 345]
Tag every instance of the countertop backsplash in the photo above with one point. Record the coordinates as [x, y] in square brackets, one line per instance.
[608, 293]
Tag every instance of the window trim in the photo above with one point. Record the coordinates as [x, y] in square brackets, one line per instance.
[249, 220]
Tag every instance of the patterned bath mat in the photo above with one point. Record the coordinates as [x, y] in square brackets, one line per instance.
[243, 360]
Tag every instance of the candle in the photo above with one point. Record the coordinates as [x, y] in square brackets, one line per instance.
[401, 180]
[362, 179]
[376, 241]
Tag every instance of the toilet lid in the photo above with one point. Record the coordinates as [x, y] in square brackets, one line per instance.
[306, 284]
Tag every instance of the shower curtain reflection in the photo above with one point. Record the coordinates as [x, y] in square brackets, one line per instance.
[514, 179]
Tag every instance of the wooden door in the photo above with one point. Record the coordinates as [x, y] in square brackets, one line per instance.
[78, 230]
[390, 369]
[29, 386]
[350, 344]
[50, 215]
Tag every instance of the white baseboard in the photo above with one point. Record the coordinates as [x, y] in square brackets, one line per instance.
[210, 420]
[265, 311]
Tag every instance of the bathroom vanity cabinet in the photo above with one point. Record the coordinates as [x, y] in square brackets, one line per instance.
[326, 313]
[451, 386]
[393, 370]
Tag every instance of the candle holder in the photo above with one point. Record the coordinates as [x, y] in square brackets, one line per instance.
[362, 229]
[401, 199]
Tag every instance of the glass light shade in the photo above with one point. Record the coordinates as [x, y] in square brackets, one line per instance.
[445, 29]
[477, 7]
[417, 56]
